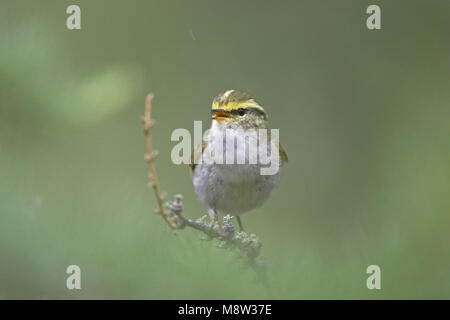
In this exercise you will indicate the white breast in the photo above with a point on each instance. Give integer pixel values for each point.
(231, 188)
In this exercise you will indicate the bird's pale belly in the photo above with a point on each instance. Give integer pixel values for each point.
(232, 188)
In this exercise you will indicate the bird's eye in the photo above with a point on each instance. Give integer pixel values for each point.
(241, 111)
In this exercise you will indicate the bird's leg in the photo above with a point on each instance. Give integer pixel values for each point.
(241, 228)
(213, 215)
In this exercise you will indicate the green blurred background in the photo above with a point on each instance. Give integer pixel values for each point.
(364, 116)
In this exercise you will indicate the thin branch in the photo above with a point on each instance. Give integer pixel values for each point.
(150, 157)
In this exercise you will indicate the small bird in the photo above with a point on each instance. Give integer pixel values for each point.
(238, 187)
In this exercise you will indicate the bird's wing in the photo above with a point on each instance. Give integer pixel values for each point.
(196, 154)
(283, 154)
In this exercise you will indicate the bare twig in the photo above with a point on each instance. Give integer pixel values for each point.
(150, 157)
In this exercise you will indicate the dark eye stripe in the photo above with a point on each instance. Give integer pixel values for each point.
(258, 112)
(247, 110)
(239, 111)
(219, 110)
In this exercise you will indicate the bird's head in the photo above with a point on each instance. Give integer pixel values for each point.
(237, 108)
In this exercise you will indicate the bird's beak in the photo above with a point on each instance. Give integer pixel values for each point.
(219, 116)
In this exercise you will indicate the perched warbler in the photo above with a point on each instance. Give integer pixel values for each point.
(237, 187)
